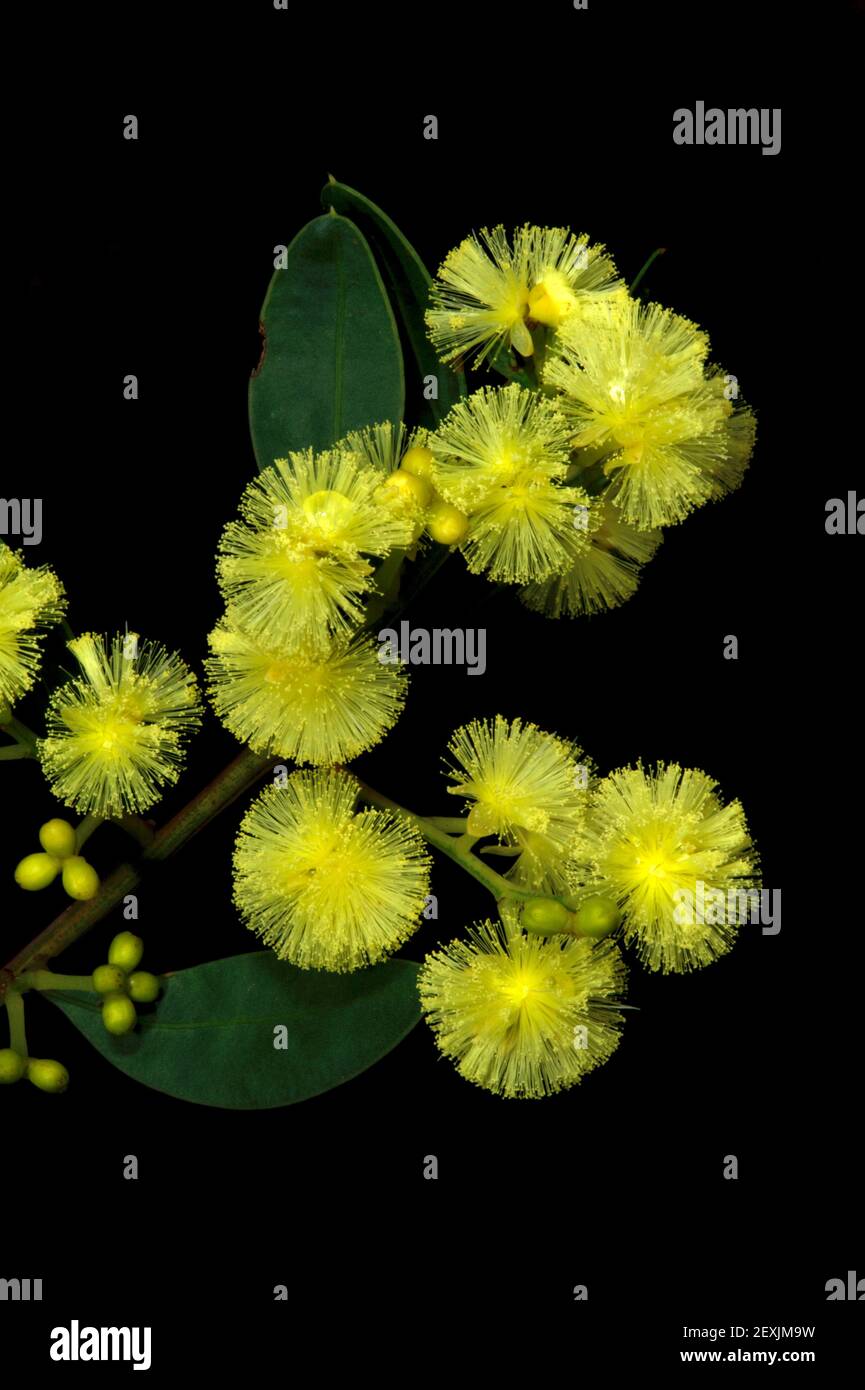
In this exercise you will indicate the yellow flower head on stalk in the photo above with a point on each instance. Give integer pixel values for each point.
(326, 887)
(650, 837)
(315, 706)
(295, 565)
(635, 380)
(491, 290)
(31, 600)
(524, 1016)
(501, 457)
(526, 787)
(117, 732)
(602, 576)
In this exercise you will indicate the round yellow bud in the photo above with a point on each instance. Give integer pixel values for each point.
(118, 1014)
(47, 1075)
(108, 979)
(143, 987)
(447, 524)
(36, 871)
(597, 916)
(80, 879)
(126, 950)
(420, 461)
(12, 1066)
(57, 837)
(544, 916)
(410, 487)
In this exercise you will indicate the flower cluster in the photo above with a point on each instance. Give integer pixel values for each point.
(291, 671)
(526, 1005)
(567, 487)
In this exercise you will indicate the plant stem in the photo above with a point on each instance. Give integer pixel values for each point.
(24, 737)
(48, 979)
(640, 273)
(498, 886)
(85, 830)
(454, 825)
(387, 578)
(15, 750)
(246, 769)
(17, 1031)
(141, 831)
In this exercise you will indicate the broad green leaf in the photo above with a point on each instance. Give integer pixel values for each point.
(408, 282)
(331, 360)
(210, 1038)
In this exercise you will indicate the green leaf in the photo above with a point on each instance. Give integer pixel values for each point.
(408, 282)
(331, 360)
(210, 1038)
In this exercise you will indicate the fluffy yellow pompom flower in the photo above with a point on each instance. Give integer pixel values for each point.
(313, 706)
(490, 291)
(603, 575)
(295, 566)
(524, 1016)
(528, 788)
(650, 838)
(30, 601)
(326, 887)
(635, 380)
(117, 733)
(500, 458)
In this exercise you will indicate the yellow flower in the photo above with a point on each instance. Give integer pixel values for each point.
(635, 381)
(117, 733)
(490, 291)
(603, 575)
(528, 788)
(501, 458)
(649, 838)
(295, 567)
(327, 888)
(523, 1016)
(30, 601)
(311, 705)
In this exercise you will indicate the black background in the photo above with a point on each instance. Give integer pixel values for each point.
(153, 257)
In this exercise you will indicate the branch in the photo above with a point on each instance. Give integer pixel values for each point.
(226, 787)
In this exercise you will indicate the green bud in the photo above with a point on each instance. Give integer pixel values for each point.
(109, 979)
(143, 987)
(12, 1066)
(597, 916)
(80, 879)
(126, 950)
(36, 871)
(47, 1075)
(544, 916)
(57, 837)
(118, 1014)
